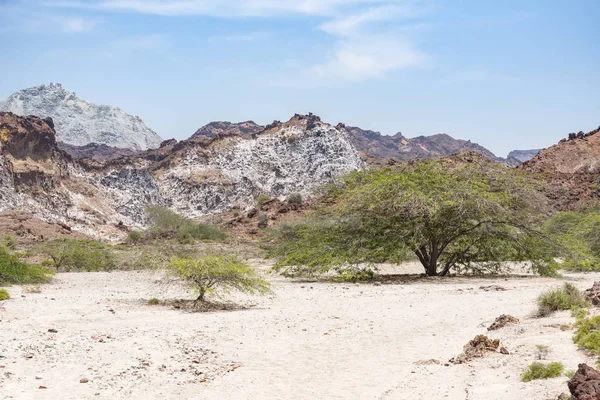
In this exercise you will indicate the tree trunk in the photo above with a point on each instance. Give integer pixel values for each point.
(201, 295)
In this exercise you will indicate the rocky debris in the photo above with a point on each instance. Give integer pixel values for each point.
(480, 346)
(28, 228)
(84, 380)
(78, 122)
(502, 321)
(492, 288)
(518, 157)
(593, 294)
(585, 384)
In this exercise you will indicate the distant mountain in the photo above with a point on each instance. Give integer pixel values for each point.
(571, 170)
(418, 148)
(80, 123)
(518, 157)
(224, 128)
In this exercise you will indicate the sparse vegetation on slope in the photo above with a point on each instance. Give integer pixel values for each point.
(4, 295)
(168, 224)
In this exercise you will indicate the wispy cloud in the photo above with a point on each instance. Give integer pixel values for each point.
(369, 58)
(73, 24)
(367, 38)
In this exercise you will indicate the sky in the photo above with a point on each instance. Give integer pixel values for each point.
(505, 74)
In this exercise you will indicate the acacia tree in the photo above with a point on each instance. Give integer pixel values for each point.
(475, 215)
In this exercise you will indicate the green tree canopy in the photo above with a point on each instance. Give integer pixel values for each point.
(473, 216)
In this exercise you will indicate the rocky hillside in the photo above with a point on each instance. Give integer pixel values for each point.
(418, 148)
(78, 122)
(194, 177)
(95, 151)
(224, 128)
(571, 169)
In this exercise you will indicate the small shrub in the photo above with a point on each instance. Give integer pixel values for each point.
(587, 336)
(355, 274)
(4, 295)
(262, 199)
(136, 236)
(263, 220)
(13, 270)
(77, 255)
(203, 232)
(9, 242)
(36, 289)
(566, 297)
(217, 274)
(569, 374)
(538, 370)
(295, 198)
(565, 327)
(542, 351)
(153, 302)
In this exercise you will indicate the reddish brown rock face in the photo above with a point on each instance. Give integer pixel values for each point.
(29, 136)
(585, 384)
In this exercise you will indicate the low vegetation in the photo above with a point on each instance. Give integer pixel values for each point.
(76, 255)
(165, 223)
(473, 217)
(4, 295)
(262, 199)
(153, 302)
(295, 198)
(587, 336)
(15, 271)
(567, 297)
(217, 275)
(538, 370)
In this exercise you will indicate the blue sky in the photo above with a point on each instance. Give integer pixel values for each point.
(506, 74)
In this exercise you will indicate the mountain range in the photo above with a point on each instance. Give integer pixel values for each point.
(99, 132)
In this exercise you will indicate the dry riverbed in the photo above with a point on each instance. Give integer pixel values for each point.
(93, 336)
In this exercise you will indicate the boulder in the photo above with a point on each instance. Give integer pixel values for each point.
(502, 321)
(585, 384)
(476, 348)
(593, 294)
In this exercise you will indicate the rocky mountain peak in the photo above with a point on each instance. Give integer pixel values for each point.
(80, 123)
(225, 128)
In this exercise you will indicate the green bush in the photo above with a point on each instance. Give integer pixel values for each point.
(77, 255)
(587, 336)
(566, 297)
(355, 274)
(9, 242)
(153, 302)
(295, 198)
(4, 295)
(262, 199)
(538, 370)
(136, 236)
(13, 270)
(217, 274)
(166, 223)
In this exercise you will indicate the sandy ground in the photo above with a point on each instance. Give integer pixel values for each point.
(310, 341)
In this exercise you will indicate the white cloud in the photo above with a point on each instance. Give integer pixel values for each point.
(347, 25)
(369, 58)
(74, 24)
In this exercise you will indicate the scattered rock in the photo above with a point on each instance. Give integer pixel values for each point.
(428, 362)
(585, 384)
(504, 350)
(476, 348)
(502, 321)
(593, 294)
(492, 288)
(42, 387)
(84, 380)
(52, 331)
(28, 355)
